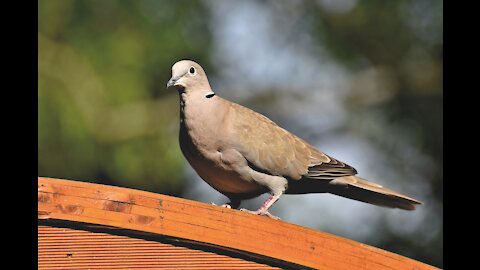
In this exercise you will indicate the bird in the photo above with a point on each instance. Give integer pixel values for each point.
(243, 154)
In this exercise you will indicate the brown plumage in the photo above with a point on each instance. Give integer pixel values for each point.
(243, 154)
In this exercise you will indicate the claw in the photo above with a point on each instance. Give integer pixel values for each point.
(260, 212)
(226, 205)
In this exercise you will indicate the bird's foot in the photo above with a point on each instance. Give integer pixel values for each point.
(261, 212)
(226, 205)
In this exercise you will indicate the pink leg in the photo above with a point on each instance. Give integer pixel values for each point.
(263, 210)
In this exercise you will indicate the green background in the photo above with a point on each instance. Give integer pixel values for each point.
(105, 116)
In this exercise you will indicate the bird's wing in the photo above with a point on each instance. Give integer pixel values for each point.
(272, 149)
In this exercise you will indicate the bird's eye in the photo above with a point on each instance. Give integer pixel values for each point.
(192, 70)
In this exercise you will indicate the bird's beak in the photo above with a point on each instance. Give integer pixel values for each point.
(172, 81)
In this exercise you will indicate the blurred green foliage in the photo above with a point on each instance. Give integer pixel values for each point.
(403, 41)
(105, 116)
(102, 70)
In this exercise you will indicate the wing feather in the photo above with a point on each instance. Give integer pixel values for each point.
(274, 150)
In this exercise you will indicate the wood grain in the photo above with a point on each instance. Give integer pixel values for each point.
(62, 247)
(186, 220)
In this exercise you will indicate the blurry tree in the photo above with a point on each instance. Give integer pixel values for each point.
(394, 38)
(105, 116)
(102, 69)
(397, 45)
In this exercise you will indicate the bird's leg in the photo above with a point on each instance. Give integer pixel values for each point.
(263, 210)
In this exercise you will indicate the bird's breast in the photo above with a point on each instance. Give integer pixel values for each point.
(202, 143)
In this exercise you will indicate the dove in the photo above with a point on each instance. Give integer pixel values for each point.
(243, 154)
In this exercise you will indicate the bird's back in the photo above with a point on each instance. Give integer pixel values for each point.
(274, 150)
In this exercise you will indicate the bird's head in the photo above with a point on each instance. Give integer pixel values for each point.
(188, 76)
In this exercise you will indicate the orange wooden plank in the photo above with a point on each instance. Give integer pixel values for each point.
(75, 248)
(208, 224)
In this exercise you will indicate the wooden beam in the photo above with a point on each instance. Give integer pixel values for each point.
(209, 225)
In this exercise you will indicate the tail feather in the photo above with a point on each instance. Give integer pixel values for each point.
(356, 188)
